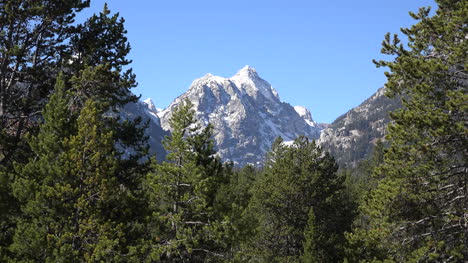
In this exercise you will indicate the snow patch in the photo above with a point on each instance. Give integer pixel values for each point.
(247, 80)
(150, 105)
(301, 110)
(305, 114)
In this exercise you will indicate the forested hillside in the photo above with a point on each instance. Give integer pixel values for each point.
(79, 184)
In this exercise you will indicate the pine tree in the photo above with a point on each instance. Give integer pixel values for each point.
(418, 212)
(298, 181)
(232, 204)
(40, 174)
(360, 179)
(48, 176)
(98, 52)
(185, 188)
(99, 226)
(96, 57)
(311, 245)
(76, 208)
(34, 36)
(8, 211)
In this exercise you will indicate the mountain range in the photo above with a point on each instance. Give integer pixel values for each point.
(248, 115)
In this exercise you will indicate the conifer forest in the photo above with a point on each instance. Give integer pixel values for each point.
(78, 182)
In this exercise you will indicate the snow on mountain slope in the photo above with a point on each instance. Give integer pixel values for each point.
(247, 115)
(306, 115)
(150, 105)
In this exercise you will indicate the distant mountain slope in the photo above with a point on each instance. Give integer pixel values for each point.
(351, 137)
(148, 113)
(247, 115)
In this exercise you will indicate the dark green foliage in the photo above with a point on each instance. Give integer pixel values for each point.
(98, 53)
(8, 211)
(101, 40)
(185, 189)
(76, 183)
(311, 246)
(418, 211)
(72, 191)
(298, 181)
(75, 205)
(47, 145)
(33, 37)
(361, 179)
(102, 74)
(232, 204)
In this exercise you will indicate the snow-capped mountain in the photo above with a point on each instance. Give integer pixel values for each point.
(351, 137)
(247, 115)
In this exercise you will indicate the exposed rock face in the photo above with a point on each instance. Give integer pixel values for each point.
(351, 137)
(155, 132)
(247, 115)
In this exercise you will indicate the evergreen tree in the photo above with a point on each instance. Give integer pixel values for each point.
(361, 180)
(98, 52)
(38, 176)
(311, 245)
(84, 182)
(233, 200)
(96, 59)
(34, 34)
(8, 211)
(185, 188)
(75, 207)
(41, 40)
(299, 181)
(418, 212)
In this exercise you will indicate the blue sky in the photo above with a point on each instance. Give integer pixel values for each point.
(317, 54)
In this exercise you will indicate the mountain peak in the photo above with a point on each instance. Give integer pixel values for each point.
(305, 114)
(150, 105)
(246, 113)
(247, 71)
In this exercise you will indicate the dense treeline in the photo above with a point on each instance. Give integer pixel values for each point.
(77, 183)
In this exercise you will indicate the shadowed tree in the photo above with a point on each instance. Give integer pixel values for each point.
(419, 211)
(300, 205)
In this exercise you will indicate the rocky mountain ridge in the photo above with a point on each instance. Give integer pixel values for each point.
(351, 137)
(247, 115)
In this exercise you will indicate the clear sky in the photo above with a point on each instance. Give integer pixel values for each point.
(317, 54)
